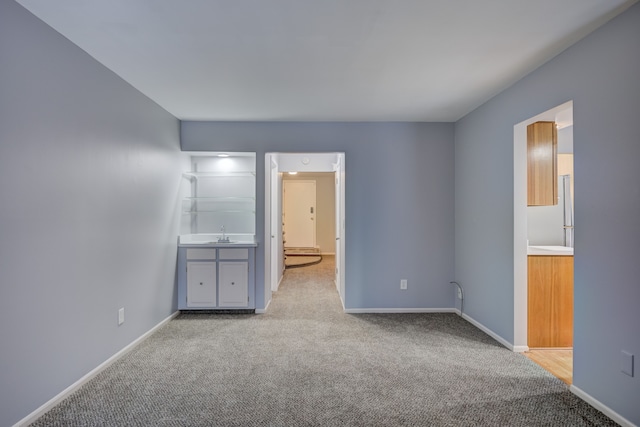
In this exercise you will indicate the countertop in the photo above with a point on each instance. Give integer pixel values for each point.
(211, 241)
(550, 250)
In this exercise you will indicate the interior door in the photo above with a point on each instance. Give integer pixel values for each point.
(299, 214)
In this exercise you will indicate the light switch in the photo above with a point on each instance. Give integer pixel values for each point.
(627, 363)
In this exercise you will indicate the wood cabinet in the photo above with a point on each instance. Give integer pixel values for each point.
(550, 301)
(542, 164)
(215, 278)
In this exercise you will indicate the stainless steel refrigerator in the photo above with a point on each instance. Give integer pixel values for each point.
(552, 225)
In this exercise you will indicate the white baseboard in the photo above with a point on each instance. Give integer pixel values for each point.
(601, 407)
(263, 310)
(398, 310)
(32, 417)
(489, 332)
(507, 344)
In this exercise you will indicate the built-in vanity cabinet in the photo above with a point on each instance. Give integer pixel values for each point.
(216, 277)
(542, 164)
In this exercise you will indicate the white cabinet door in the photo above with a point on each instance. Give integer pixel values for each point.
(201, 284)
(234, 284)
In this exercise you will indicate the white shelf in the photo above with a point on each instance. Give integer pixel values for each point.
(196, 212)
(221, 199)
(196, 175)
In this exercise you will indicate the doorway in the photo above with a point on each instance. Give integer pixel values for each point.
(562, 115)
(276, 165)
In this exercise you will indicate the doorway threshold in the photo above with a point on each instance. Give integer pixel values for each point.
(558, 362)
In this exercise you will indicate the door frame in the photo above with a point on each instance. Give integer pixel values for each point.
(520, 273)
(277, 163)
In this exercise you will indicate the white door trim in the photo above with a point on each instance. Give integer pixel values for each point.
(298, 162)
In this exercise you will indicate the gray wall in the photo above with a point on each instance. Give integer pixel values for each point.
(399, 200)
(600, 74)
(89, 176)
(325, 207)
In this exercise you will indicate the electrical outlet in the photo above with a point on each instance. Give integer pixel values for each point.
(121, 316)
(627, 363)
(403, 284)
(459, 294)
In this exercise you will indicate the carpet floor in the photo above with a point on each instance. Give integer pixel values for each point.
(307, 363)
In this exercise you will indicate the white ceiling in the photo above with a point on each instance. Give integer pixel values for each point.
(317, 60)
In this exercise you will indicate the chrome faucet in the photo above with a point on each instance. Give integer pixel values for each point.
(223, 239)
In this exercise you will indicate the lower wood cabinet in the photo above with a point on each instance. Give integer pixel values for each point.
(216, 278)
(550, 301)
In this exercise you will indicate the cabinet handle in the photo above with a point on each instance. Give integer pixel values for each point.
(200, 283)
(233, 283)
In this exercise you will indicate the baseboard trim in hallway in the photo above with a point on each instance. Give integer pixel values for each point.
(32, 417)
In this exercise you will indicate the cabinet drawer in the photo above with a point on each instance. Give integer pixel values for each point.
(201, 254)
(234, 253)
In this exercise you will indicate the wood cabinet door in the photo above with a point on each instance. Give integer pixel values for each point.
(550, 301)
(542, 164)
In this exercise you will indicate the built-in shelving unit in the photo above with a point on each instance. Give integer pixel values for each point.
(222, 193)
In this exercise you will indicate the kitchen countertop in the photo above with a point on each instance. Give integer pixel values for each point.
(550, 250)
(211, 241)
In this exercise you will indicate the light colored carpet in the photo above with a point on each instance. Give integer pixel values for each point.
(306, 363)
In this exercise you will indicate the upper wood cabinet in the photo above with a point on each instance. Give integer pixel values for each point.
(542, 164)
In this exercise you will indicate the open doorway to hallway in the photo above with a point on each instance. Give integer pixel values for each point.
(318, 227)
